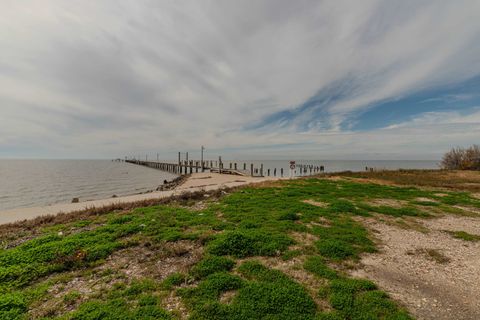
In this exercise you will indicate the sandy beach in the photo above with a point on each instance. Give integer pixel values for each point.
(197, 181)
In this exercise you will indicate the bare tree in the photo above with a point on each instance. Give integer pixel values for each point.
(462, 159)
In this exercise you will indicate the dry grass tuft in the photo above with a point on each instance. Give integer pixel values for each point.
(432, 254)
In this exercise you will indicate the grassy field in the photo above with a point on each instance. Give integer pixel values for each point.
(276, 251)
(447, 179)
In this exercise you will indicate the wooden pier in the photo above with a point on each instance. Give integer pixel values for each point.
(183, 167)
(175, 168)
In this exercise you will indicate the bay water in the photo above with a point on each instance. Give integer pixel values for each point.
(33, 183)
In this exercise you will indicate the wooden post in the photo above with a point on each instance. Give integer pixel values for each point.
(261, 170)
(219, 164)
(268, 172)
(251, 169)
(235, 166)
(244, 166)
(179, 161)
(201, 160)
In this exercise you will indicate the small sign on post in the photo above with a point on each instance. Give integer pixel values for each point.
(292, 169)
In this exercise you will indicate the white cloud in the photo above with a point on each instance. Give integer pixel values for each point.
(106, 78)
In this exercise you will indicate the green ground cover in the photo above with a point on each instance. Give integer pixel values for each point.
(236, 232)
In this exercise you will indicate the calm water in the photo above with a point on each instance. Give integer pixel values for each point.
(31, 183)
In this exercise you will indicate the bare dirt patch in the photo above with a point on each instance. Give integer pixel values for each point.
(423, 199)
(154, 261)
(429, 289)
(174, 304)
(388, 203)
(227, 297)
(455, 223)
(316, 203)
(302, 240)
(470, 210)
(143, 261)
(408, 223)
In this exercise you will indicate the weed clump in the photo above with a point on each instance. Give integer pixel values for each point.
(12, 305)
(342, 206)
(124, 302)
(173, 280)
(317, 266)
(249, 242)
(266, 294)
(343, 239)
(464, 236)
(360, 299)
(212, 264)
(292, 216)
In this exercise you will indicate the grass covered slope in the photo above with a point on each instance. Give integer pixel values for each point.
(278, 251)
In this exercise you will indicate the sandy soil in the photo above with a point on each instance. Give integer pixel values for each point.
(197, 181)
(446, 288)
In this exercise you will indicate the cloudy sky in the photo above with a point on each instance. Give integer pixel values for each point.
(248, 79)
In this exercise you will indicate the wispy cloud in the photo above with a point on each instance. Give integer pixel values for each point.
(114, 77)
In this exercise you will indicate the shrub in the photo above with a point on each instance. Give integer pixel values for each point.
(462, 159)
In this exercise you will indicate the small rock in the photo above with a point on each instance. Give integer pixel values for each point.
(60, 233)
(75, 200)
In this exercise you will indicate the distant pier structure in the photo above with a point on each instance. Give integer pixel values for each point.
(187, 166)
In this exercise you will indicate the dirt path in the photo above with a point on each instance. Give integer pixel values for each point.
(433, 274)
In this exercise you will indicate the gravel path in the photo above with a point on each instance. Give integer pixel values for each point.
(429, 288)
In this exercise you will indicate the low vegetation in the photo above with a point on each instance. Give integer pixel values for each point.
(239, 257)
(465, 236)
(468, 181)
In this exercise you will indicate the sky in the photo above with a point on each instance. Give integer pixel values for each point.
(250, 79)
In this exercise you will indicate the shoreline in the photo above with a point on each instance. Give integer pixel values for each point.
(195, 182)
